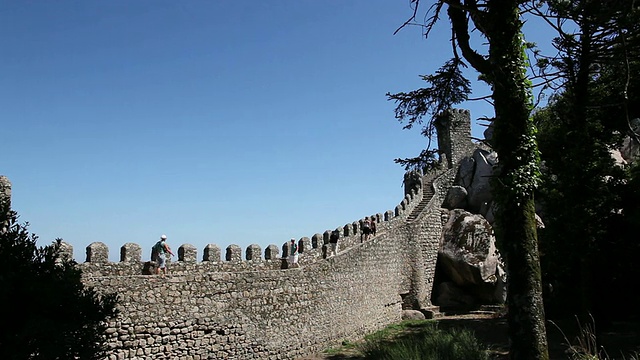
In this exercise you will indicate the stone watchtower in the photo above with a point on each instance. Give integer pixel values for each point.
(453, 129)
(454, 135)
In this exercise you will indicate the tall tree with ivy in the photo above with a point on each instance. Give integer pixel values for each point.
(501, 62)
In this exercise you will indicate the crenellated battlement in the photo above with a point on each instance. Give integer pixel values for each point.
(233, 258)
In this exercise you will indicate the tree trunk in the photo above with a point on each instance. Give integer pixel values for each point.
(519, 162)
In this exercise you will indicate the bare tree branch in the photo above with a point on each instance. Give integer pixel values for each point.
(412, 18)
(460, 26)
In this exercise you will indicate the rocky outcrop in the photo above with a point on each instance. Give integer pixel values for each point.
(630, 150)
(469, 263)
(456, 197)
(472, 186)
(480, 189)
(412, 315)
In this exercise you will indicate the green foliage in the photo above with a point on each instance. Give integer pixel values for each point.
(521, 183)
(581, 196)
(49, 313)
(448, 87)
(595, 39)
(430, 343)
(425, 161)
(585, 196)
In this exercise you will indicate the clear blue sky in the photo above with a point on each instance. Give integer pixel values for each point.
(225, 122)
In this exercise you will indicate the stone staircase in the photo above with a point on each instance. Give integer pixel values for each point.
(427, 194)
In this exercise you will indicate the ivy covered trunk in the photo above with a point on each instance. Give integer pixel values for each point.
(514, 141)
(504, 69)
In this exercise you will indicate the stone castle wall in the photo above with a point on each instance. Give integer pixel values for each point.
(256, 308)
(253, 308)
(233, 258)
(235, 305)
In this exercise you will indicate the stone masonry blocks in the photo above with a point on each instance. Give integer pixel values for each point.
(234, 253)
(187, 253)
(271, 252)
(254, 252)
(130, 252)
(347, 230)
(211, 253)
(97, 252)
(316, 241)
(304, 244)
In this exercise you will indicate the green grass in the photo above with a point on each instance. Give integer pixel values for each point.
(584, 347)
(418, 340)
(347, 346)
(424, 339)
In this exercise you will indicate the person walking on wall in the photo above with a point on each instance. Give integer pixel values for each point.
(366, 229)
(161, 249)
(293, 254)
(333, 241)
(374, 227)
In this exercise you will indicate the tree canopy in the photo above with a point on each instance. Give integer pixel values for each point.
(49, 312)
(585, 193)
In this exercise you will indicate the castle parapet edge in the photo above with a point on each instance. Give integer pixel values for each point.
(131, 262)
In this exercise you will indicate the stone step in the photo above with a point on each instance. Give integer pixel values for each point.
(418, 209)
(476, 310)
(431, 312)
(427, 194)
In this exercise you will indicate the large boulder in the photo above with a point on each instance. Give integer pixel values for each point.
(448, 295)
(466, 168)
(469, 259)
(480, 188)
(471, 189)
(617, 157)
(630, 150)
(488, 132)
(412, 315)
(456, 198)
